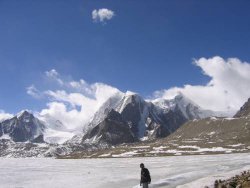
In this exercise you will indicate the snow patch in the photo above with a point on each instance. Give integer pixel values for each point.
(236, 145)
(105, 155)
(140, 147)
(126, 154)
(189, 147)
(5, 136)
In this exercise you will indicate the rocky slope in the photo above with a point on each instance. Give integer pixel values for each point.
(244, 110)
(238, 181)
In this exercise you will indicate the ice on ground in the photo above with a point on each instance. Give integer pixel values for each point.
(166, 172)
(209, 181)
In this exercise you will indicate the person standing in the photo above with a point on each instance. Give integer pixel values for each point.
(145, 176)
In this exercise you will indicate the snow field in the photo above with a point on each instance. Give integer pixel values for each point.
(166, 172)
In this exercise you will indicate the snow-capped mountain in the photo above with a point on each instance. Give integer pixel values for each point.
(26, 127)
(187, 107)
(23, 127)
(56, 132)
(24, 135)
(218, 133)
(123, 118)
(148, 119)
(211, 135)
(112, 103)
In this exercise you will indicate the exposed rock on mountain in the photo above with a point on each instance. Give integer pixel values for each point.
(244, 110)
(145, 119)
(100, 115)
(23, 127)
(111, 131)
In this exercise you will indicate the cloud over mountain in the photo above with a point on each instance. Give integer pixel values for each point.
(72, 102)
(227, 90)
(4, 115)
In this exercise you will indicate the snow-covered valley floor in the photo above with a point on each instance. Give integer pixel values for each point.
(166, 172)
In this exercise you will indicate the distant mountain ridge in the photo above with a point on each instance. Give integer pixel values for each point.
(123, 118)
(145, 119)
(23, 127)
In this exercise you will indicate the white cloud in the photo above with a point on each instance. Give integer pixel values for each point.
(75, 102)
(102, 14)
(54, 76)
(4, 116)
(80, 86)
(227, 90)
(72, 119)
(31, 90)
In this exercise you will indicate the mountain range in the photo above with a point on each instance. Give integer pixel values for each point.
(123, 118)
(211, 135)
(143, 120)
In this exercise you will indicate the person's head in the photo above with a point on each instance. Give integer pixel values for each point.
(141, 165)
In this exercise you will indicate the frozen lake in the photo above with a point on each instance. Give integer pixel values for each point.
(166, 172)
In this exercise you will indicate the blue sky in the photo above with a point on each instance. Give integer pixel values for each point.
(146, 46)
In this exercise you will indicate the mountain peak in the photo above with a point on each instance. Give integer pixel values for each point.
(180, 100)
(183, 99)
(244, 110)
(129, 93)
(23, 127)
(129, 98)
(24, 113)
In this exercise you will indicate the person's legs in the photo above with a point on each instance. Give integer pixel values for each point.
(145, 185)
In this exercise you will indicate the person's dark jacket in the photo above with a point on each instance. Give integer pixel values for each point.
(145, 176)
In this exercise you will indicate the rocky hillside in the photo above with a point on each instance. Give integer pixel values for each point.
(238, 181)
(207, 136)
